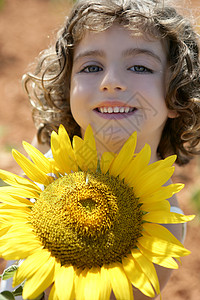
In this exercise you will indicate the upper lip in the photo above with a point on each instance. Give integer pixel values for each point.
(114, 103)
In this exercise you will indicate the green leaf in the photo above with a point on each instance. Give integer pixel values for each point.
(9, 272)
(6, 295)
(18, 291)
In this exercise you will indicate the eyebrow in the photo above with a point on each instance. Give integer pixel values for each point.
(125, 53)
(136, 51)
(88, 53)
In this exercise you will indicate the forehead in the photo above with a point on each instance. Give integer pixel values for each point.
(121, 37)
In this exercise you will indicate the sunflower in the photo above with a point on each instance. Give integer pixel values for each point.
(94, 226)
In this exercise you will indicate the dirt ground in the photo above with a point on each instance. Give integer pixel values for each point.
(26, 28)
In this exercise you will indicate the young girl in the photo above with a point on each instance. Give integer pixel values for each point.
(122, 66)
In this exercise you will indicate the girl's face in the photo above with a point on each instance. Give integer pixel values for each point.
(118, 87)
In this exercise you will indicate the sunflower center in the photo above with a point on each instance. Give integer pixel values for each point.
(87, 219)
(88, 203)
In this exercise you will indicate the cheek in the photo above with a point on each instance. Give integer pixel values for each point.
(80, 90)
(81, 82)
(78, 105)
(153, 102)
(76, 95)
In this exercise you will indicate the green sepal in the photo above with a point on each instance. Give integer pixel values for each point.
(9, 272)
(6, 295)
(18, 291)
(40, 297)
(98, 166)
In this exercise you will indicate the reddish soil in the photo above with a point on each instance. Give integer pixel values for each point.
(26, 28)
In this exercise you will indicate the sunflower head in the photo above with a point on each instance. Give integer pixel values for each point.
(92, 222)
(87, 219)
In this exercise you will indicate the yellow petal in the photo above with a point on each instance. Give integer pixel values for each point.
(152, 181)
(62, 151)
(162, 260)
(106, 160)
(64, 283)
(120, 284)
(14, 200)
(137, 276)
(20, 241)
(22, 212)
(16, 191)
(78, 145)
(161, 232)
(16, 252)
(17, 230)
(92, 284)
(30, 169)
(57, 153)
(19, 244)
(123, 159)
(42, 162)
(137, 165)
(167, 217)
(105, 289)
(162, 247)
(31, 265)
(53, 295)
(4, 230)
(10, 218)
(147, 268)
(80, 280)
(18, 181)
(40, 281)
(161, 164)
(165, 192)
(84, 155)
(85, 151)
(161, 205)
(66, 144)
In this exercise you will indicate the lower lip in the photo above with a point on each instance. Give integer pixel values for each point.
(115, 116)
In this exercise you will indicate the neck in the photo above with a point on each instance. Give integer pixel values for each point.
(115, 147)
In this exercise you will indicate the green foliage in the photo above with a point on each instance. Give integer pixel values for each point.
(196, 199)
(2, 2)
(62, 1)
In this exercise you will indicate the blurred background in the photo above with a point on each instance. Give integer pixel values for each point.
(26, 28)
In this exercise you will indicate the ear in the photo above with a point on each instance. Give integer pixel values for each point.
(172, 114)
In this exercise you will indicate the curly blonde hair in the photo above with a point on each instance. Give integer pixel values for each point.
(48, 86)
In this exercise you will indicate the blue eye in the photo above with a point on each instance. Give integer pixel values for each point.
(92, 69)
(140, 69)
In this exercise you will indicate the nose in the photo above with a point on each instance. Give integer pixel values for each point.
(112, 81)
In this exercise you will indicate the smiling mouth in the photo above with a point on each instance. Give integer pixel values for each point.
(115, 109)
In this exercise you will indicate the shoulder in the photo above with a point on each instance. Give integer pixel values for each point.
(49, 154)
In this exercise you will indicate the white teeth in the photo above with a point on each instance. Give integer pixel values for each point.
(127, 109)
(115, 109)
(110, 110)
